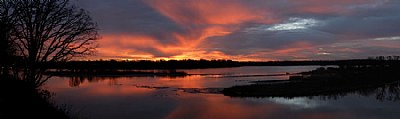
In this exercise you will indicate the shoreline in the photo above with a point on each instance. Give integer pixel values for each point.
(318, 82)
(20, 100)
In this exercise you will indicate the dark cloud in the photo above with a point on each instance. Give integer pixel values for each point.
(129, 17)
(255, 29)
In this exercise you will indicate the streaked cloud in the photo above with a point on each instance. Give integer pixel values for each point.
(246, 29)
(387, 38)
(294, 24)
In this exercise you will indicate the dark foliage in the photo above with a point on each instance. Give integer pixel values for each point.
(33, 32)
(380, 79)
(141, 64)
(43, 31)
(196, 64)
(19, 100)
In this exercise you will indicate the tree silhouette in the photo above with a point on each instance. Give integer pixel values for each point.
(6, 45)
(49, 31)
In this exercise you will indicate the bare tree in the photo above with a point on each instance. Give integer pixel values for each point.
(49, 31)
(6, 45)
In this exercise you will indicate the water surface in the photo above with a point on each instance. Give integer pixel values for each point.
(162, 97)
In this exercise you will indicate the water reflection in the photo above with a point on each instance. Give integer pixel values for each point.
(75, 81)
(200, 84)
(148, 97)
(298, 102)
(198, 77)
(215, 106)
(388, 92)
(328, 83)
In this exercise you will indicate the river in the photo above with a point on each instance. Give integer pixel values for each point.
(166, 97)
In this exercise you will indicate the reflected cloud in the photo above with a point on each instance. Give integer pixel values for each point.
(298, 103)
(118, 91)
(194, 81)
(148, 97)
(186, 82)
(214, 106)
(98, 86)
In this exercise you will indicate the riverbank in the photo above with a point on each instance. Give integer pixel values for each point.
(322, 81)
(19, 100)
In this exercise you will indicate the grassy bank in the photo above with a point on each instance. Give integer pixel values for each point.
(20, 100)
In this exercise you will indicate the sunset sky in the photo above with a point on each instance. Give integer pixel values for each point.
(257, 30)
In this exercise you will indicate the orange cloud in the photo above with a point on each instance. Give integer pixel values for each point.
(201, 20)
(209, 12)
(137, 47)
(186, 26)
(192, 40)
(126, 46)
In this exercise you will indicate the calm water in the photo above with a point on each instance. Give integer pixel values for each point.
(161, 97)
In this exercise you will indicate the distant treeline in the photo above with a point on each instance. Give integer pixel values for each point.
(196, 64)
(352, 62)
(381, 80)
(142, 64)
